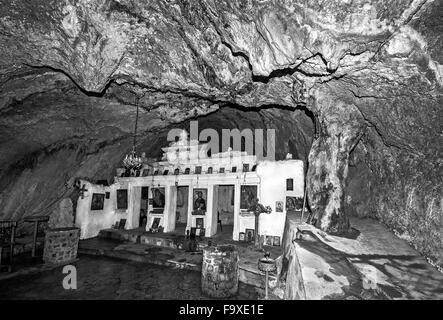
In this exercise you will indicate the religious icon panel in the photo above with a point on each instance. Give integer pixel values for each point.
(200, 197)
(98, 200)
(294, 204)
(122, 199)
(248, 195)
(158, 197)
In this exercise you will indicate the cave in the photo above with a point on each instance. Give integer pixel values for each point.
(354, 90)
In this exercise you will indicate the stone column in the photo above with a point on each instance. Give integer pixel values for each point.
(61, 245)
(341, 127)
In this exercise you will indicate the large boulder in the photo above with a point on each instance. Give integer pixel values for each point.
(63, 215)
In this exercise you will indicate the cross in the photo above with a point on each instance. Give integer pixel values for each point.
(83, 190)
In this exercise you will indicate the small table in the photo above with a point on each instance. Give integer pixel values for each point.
(36, 220)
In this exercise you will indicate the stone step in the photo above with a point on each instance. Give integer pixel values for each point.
(161, 240)
(247, 274)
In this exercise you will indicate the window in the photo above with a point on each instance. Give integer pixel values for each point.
(165, 173)
(254, 167)
(210, 170)
(177, 171)
(234, 169)
(155, 172)
(198, 169)
(289, 184)
(122, 199)
(187, 170)
(245, 167)
(221, 170)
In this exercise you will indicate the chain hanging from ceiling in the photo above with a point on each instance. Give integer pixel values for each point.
(132, 160)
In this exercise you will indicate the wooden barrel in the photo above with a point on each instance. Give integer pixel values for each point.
(220, 271)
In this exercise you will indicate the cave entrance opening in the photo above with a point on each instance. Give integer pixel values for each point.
(224, 208)
(181, 212)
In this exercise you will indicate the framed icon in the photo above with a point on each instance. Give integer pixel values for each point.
(276, 241)
(278, 206)
(294, 204)
(249, 235)
(199, 223)
(122, 199)
(200, 197)
(241, 236)
(122, 224)
(98, 201)
(155, 223)
(158, 198)
(248, 194)
(289, 184)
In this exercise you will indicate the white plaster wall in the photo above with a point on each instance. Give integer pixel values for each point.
(90, 221)
(273, 175)
(270, 176)
(170, 207)
(134, 204)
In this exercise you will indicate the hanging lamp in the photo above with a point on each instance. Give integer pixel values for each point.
(132, 160)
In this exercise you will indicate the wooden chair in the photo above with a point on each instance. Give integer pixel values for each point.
(7, 242)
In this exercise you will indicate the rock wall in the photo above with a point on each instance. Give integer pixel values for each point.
(69, 81)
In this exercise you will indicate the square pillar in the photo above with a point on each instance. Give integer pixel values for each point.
(190, 208)
(214, 224)
(134, 200)
(236, 228)
(170, 207)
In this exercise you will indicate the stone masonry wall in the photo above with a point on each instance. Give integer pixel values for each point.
(61, 245)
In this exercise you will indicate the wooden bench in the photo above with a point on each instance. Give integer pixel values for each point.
(7, 243)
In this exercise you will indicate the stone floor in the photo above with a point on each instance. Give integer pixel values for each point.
(376, 264)
(134, 245)
(106, 278)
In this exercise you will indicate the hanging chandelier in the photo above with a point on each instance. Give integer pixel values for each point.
(132, 160)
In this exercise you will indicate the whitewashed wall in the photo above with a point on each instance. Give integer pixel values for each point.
(90, 221)
(270, 177)
(273, 175)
